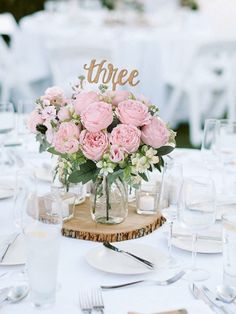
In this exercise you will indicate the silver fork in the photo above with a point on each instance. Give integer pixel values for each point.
(97, 300)
(155, 282)
(85, 302)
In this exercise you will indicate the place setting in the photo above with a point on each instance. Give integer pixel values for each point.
(117, 157)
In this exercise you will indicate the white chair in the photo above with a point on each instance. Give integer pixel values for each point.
(11, 75)
(8, 24)
(67, 59)
(4, 70)
(208, 83)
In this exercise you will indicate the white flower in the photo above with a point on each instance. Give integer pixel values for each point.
(106, 167)
(151, 152)
(155, 160)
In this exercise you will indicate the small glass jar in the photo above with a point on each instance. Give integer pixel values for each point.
(109, 201)
(147, 198)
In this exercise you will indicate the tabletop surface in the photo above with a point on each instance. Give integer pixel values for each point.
(75, 273)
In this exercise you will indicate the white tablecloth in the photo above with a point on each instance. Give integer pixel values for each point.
(75, 273)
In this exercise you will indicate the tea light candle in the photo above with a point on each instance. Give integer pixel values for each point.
(147, 203)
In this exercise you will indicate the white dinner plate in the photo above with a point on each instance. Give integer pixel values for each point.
(113, 262)
(203, 245)
(16, 254)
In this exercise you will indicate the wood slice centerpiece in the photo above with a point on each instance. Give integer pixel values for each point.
(81, 226)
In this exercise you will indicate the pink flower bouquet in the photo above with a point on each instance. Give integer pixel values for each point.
(104, 133)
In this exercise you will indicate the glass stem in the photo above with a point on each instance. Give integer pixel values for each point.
(194, 251)
(170, 239)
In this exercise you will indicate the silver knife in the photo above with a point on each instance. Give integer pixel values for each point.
(212, 298)
(8, 245)
(200, 237)
(143, 261)
(198, 294)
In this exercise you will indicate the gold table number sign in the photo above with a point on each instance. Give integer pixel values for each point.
(109, 73)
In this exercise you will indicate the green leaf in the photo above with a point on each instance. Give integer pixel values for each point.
(54, 152)
(143, 176)
(115, 175)
(87, 172)
(165, 150)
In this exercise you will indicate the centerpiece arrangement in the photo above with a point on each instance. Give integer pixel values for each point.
(109, 138)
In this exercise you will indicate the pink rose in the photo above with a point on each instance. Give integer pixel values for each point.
(55, 95)
(127, 137)
(64, 114)
(118, 96)
(133, 112)
(49, 113)
(66, 138)
(116, 153)
(34, 119)
(156, 133)
(97, 116)
(83, 100)
(93, 144)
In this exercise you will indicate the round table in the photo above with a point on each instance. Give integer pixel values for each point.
(75, 273)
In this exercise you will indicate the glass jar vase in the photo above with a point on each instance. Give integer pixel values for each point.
(109, 201)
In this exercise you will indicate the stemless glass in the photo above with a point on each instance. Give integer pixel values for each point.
(210, 142)
(170, 189)
(41, 222)
(7, 124)
(196, 212)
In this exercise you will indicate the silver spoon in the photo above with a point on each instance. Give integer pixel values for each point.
(226, 294)
(16, 294)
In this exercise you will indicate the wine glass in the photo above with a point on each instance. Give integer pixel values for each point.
(196, 212)
(7, 123)
(170, 188)
(210, 142)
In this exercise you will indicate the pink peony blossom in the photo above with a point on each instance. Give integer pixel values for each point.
(64, 114)
(93, 144)
(34, 119)
(66, 138)
(116, 153)
(97, 116)
(83, 100)
(55, 95)
(133, 112)
(156, 133)
(126, 136)
(118, 96)
(49, 113)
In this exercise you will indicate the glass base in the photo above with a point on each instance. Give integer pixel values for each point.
(110, 221)
(42, 300)
(196, 274)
